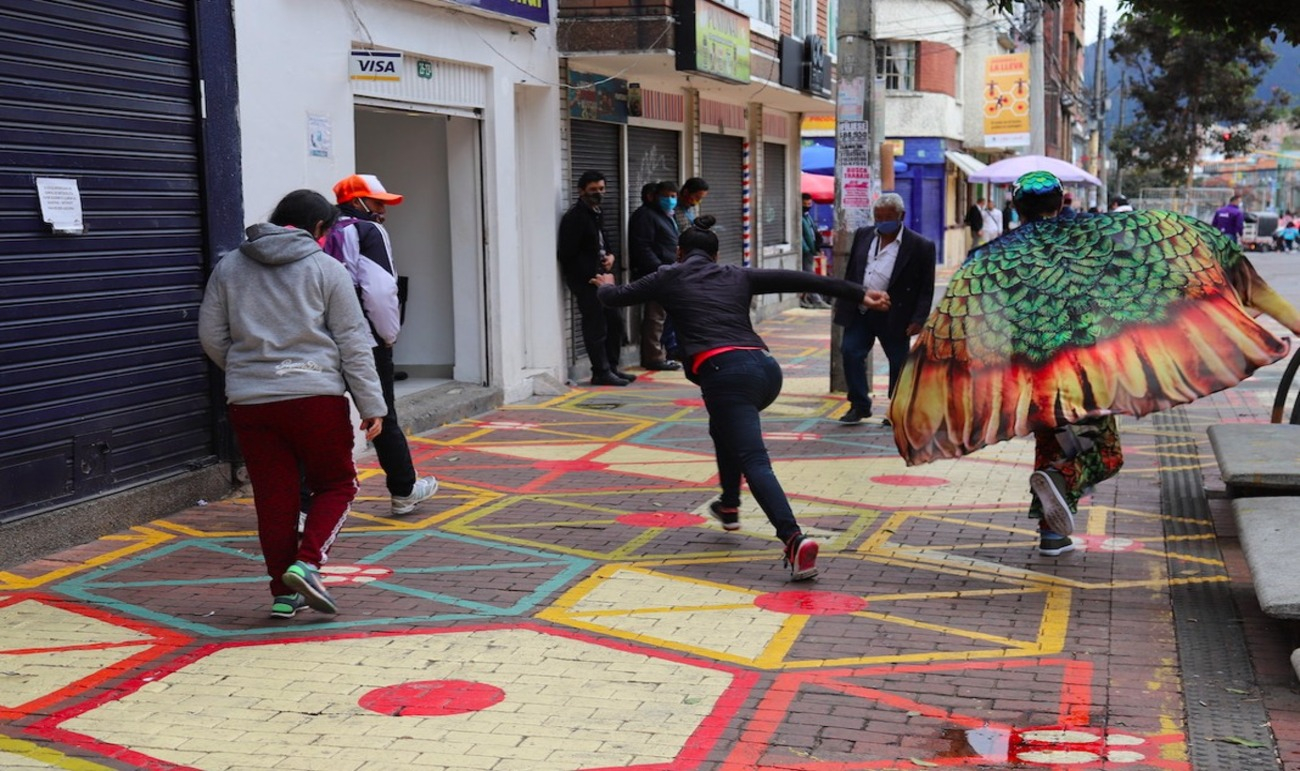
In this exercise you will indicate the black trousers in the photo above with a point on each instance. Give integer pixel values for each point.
(602, 329)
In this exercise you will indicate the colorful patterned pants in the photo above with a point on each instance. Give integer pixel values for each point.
(1096, 456)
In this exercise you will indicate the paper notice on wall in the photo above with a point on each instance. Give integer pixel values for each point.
(320, 136)
(850, 99)
(60, 204)
(857, 197)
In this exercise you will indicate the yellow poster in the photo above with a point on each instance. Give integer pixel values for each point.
(1006, 100)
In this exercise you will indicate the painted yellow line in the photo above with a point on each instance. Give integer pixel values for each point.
(45, 755)
(784, 639)
(147, 539)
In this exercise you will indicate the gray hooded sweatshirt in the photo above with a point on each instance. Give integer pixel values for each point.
(282, 318)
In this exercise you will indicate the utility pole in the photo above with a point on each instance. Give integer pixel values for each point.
(1097, 150)
(1037, 86)
(857, 137)
(1123, 94)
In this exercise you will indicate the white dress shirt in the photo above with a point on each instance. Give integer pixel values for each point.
(880, 263)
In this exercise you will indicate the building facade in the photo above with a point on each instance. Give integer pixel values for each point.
(454, 106)
(672, 89)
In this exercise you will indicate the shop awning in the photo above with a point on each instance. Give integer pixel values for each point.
(968, 164)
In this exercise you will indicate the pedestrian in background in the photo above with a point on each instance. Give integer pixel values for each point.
(361, 243)
(885, 257)
(992, 226)
(1229, 219)
(975, 221)
(584, 251)
(651, 244)
(693, 193)
(738, 378)
(280, 317)
(811, 247)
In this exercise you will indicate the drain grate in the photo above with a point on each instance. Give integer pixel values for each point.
(1225, 710)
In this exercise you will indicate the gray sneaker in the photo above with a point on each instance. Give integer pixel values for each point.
(423, 491)
(1056, 511)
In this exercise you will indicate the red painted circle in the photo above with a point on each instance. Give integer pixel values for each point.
(810, 603)
(431, 698)
(660, 519)
(570, 465)
(908, 480)
(689, 402)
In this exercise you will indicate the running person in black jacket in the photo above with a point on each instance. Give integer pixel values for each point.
(738, 378)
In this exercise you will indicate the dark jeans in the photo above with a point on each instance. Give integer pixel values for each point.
(858, 339)
(736, 386)
(390, 446)
(602, 329)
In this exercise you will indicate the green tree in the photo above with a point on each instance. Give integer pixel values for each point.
(1194, 90)
(1229, 19)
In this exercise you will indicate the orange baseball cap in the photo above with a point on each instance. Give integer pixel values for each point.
(364, 186)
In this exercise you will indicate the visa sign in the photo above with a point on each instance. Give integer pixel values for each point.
(376, 65)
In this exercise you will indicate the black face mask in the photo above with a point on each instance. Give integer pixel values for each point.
(593, 199)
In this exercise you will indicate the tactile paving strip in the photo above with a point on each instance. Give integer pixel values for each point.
(1225, 711)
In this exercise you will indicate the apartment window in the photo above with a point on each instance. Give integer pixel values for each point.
(805, 18)
(832, 23)
(896, 63)
(757, 10)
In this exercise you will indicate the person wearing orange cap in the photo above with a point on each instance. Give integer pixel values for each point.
(359, 241)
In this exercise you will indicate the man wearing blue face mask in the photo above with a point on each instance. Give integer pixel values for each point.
(651, 243)
(887, 257)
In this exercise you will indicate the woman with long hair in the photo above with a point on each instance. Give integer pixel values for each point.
(281, 318)
(708, 304)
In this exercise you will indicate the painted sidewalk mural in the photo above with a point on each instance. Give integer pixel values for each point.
(567, 602)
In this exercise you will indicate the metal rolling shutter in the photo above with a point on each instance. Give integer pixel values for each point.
(773, 194)
(721, 162)
(102, 381)
(653, 155)
(595, 145)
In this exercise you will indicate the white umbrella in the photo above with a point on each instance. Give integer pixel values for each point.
(1010, 169)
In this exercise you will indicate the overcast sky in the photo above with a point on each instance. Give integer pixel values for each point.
(1091, 8)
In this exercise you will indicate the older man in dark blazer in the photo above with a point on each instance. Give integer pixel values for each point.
(889, 257)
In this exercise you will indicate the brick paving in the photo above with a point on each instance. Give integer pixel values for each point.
(567, 602)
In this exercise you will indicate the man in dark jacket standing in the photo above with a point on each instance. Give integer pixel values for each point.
(651, 243)
(889, 257)
(584, 252)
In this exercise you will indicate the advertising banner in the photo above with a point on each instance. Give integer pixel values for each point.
(1006, 100)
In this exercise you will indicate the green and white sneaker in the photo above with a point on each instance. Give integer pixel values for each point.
(305, 579)
(286, 605)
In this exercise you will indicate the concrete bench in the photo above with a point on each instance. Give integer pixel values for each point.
(1258, 458)
(1268, 528)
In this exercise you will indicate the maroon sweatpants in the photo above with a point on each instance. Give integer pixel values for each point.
(277, 438)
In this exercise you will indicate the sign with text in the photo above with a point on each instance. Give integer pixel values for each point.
(530, 10)
(1006, 100)
(712, 40)
(376, 65)
(60, 204)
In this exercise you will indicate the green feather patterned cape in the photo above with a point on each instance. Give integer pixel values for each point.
(1066, 319)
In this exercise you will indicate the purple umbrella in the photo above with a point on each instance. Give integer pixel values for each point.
(1010, 169)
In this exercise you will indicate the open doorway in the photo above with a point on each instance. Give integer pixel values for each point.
(433, 161)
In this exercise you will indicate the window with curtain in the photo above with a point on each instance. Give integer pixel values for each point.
(896, 63)
(773, 194)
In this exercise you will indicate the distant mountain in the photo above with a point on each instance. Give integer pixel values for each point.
(1284, 74)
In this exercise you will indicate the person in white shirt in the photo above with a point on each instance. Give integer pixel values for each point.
(887, 257)
(992, 223)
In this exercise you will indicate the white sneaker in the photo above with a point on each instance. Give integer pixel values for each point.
(423, 491)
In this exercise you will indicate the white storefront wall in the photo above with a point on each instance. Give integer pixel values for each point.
(485, 126)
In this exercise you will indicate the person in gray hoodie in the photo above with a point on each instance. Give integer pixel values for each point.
(281, 318)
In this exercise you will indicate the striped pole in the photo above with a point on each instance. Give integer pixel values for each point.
(746, 190)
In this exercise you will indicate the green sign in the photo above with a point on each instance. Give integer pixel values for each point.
(713, 40)
(424, 68)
